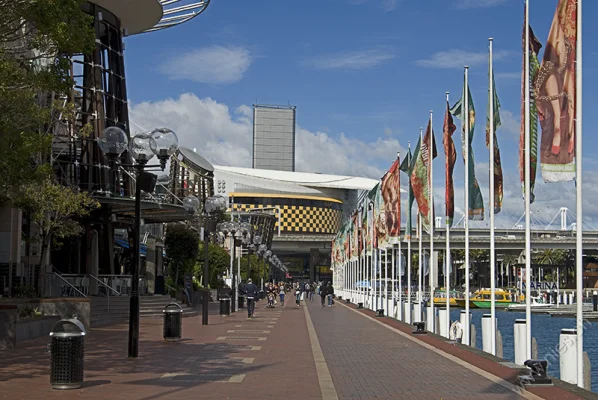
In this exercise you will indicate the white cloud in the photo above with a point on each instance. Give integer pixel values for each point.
(224, 136)
(355, 60)
(457, 59)
(464, 4)
(213, 64)
(385, 5)
(510, 123)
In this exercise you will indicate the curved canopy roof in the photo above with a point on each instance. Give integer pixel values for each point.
(189, 156)
(305, 178)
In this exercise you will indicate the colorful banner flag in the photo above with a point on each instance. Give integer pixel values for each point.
(380, 228)
(534, 65)
(451, 157)
(555, 93)
(407, 167)
(476, 201)
(498, 178)
(391, 194)
(420, 177)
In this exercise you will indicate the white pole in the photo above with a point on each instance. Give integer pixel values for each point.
(238, 279)
(419, 237)
(491, 211)
(385, 304)
(393, 280)
(447, 262)
(431, 271)
(466, 334)
(528, 251)
(409, 313)
(400, 303)
(579, 222)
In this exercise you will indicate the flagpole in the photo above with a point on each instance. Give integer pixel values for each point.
(466, 333)
(579, 200)
(385, 306)
(492, 249)
(431, 270)
(419, 236)
(447, 260)
(528, 250)
(394, 275)
(409, 315)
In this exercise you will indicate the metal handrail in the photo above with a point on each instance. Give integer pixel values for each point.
(68, 283)
(170, 287)
(104, 284)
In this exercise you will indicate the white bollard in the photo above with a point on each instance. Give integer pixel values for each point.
(443, 328)
(417, 312)
(431, 319)
(559, 299)
(408, 313)
(487, 332)
(400, 310)
(570, 298)
(463, 320)
(519, 339)
(568, 355)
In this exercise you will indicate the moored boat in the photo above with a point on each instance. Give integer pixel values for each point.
(483, 298)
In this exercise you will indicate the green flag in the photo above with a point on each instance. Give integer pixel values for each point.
(407, 167)
(498, 179)
(476, 201)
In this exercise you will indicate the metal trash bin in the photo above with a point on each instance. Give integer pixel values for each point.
(67, 350)
(241, 302)
(224, 306)
(173, 322)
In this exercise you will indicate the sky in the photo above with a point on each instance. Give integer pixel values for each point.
(364, 75)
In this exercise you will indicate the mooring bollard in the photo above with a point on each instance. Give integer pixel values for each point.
(417, 312)
(380, 312)
(464, 320)
(420, 328)
(568, 355)
(359, 305)
(431, 318)
(443, 329)
(487, 333)
(408, 315)
(519, 333)
(539, 373)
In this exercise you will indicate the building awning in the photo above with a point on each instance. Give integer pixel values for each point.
(152, 212)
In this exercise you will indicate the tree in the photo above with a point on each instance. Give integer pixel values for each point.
(55, 210)
(550, 257)
(219, 262)
(181, 245)
(36, 38)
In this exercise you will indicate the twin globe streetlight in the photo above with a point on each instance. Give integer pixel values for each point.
(161, 142)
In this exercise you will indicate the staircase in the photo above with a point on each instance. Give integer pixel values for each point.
(115, 309)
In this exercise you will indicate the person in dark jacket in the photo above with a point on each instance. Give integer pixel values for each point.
(251, 292)
(330, 294)
(323, 293)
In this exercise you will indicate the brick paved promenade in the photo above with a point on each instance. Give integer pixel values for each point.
(295, 353)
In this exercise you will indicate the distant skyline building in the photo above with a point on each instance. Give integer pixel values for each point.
(274, 137)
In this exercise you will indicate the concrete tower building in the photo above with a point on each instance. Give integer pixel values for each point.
(274, 137)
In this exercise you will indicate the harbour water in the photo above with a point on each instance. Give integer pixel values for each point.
(545, 329)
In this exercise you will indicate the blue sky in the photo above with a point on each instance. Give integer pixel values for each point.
(363, 75)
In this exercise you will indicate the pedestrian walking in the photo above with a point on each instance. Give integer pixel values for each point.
(298, 296)
(323, 295)
(330, 294)
(251, 293)
(281, 294)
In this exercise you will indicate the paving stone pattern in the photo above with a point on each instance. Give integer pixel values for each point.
(369, 361)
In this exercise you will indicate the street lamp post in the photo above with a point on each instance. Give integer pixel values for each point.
(212, 205)
(233, 228)
(163, 143)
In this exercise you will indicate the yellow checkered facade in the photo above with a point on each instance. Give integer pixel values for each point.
(302, 219)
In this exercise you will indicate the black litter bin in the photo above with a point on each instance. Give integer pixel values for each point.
(225, 306)
(67, 348)
(241, 302)
(262, 295)
(173, 322)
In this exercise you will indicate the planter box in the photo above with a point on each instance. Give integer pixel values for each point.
(35, 327)
(8, 322)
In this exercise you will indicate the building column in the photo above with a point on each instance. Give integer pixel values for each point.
(314, 259)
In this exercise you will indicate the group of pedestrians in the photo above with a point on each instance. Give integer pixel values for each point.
(303, 291)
